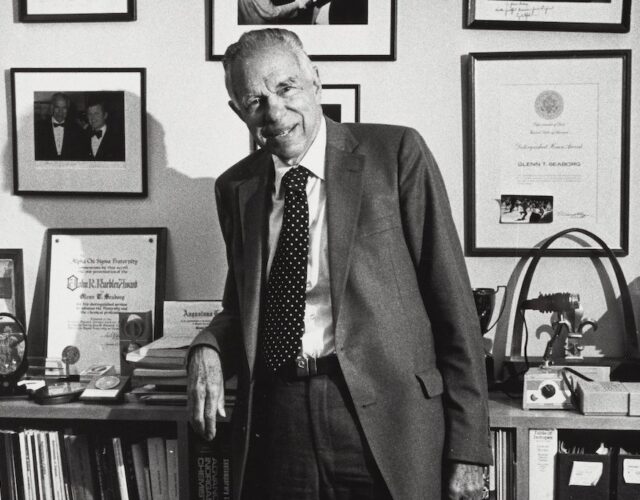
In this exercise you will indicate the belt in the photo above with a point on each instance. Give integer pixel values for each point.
(303, 367)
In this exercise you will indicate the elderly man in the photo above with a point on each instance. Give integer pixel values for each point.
(348, 315)
(58, 137)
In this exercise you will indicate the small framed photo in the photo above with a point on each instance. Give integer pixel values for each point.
(331, 30)
(340, 102)
(550, 15)
(79, 131)
(51, 11)
(548, 151)
(104, 292)
(12, 284)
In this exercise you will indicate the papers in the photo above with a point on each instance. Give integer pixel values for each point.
(585, 473)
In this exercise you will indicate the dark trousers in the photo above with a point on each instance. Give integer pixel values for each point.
(310, 444)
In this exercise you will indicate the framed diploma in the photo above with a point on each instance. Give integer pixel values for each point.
(95, 278)
(548, 150)
(337, 30)
(553, 15)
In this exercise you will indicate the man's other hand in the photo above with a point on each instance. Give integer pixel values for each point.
(464, 481)
(206, 390)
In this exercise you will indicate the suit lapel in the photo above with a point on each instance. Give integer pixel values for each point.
(253, 198)
(344, 170)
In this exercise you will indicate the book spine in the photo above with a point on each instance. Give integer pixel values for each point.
(173, 487)
(138, 464)
(129, 469)
(5, 483)
(119, 467)
(543, 447)
(16, 466)
(57, 482)
(157, 467)
(204, 469)
(25, 462)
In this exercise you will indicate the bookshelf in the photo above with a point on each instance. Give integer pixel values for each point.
(18, 413)
(506, 413)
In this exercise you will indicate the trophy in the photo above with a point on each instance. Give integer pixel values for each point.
(485, 299)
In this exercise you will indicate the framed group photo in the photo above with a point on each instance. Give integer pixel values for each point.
(104, 292)
(79, 131)
(548, 150)
(331, 30)
(551, 15)
(46, 11)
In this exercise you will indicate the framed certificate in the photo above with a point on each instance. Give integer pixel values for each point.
(50, 11)
(556, 15)
(548, 150)
(336, 30)
(95, 277)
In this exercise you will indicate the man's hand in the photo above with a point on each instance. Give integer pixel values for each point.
(206, 391)
(464, 481)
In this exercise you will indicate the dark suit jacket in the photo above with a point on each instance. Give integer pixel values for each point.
(111, 148)
(45, 145)
(406, 330)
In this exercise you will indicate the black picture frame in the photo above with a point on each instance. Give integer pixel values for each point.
(489, 74)
(345, 42)
(11, 262)
(38, 169)
(103, 267)
(26, 15)
(586, 16)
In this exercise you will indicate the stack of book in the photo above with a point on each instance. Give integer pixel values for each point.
(61, 465)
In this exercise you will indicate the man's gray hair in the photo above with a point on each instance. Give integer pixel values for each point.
(252, 41)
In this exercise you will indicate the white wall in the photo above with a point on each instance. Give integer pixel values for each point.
(193, 137)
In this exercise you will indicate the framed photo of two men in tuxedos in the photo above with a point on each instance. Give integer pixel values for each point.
(79, 131)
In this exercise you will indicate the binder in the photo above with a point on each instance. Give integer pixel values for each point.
(627, 477)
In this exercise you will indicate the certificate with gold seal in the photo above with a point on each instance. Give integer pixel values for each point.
(549, 150)
(95, 275)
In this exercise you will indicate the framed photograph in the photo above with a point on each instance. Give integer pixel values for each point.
(79, 131)
(548, 146)
(340, 102)
(102, 285)
(12, 284)
(551, 15)
(331, 30)
(51, 11)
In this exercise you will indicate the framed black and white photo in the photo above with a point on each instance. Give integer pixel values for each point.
(331, 30)
(12, 283)
(100, 284)
(548, 150)
(340, 102)
(46, 11)
(79, 131)
(552, 15)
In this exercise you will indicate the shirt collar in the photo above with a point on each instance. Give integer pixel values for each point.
(313, 160)
(54, 121)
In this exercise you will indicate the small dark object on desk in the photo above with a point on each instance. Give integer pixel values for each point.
(58, 393)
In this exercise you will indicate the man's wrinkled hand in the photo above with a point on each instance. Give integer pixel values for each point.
(464, 481)
(205, 389)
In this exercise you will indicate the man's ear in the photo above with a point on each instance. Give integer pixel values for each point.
(235, 109)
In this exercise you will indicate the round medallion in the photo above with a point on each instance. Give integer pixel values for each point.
(107, 382)
(70, 354)
(549, 105)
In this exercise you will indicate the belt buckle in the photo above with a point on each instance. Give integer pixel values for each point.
(306, 366)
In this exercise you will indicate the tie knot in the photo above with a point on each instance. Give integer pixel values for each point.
(97, 133)
(296, 178)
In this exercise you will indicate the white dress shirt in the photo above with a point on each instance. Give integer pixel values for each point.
(58, 135)
(95, 142)
(317, 339)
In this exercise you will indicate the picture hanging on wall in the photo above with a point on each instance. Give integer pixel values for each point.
(551, 15)
(340, 102)
(548, 150)
(331, 30)
(79, 131)
(12, 283)
(64, 11)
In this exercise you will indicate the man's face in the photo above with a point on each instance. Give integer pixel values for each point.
(279, 102)
(59, 109)
(97, 116)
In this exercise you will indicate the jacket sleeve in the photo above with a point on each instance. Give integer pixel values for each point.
(224, 332)
(444, 284)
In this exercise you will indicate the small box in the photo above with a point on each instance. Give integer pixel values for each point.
(628, 477)
(582, 477)
(634, 397)
(603, 398)
(108, 388)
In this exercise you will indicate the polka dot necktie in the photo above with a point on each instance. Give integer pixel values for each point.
(286, 287)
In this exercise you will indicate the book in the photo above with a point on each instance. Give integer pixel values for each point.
(57, 476)
(543, 447)
(137, 452)
(173, 483)
(129, 468)
(158, 468)
(121, 474)
(28, 480)
(147, 376)
(13, 464)
(5, 481)
(210, 466)
(160, 372)
(168, 362)
(81, 474)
